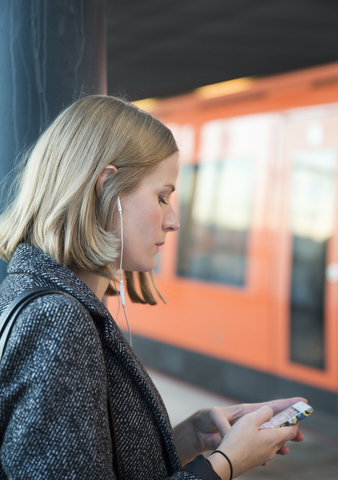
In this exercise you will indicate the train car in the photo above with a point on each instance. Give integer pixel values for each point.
(251, 279)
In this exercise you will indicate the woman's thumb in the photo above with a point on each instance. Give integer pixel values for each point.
(262, 415)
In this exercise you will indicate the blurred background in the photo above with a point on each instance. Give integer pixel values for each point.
(250, 90)
(167, 47)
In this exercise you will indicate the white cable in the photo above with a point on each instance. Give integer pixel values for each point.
(123, 301)
(125, 316)
(119, 305)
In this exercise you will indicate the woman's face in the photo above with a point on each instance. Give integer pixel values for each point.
(148, 216)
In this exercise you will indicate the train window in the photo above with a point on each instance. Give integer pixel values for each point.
(216, 203)
(312, 209)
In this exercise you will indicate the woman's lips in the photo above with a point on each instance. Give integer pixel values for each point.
(158, 245)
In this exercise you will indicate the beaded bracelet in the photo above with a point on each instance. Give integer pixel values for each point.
(228, 459)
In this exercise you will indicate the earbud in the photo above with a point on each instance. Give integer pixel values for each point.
(119, 206)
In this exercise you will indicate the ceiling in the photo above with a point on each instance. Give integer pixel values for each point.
(159, 48)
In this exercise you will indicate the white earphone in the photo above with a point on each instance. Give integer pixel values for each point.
(122, 296)
(119, 207)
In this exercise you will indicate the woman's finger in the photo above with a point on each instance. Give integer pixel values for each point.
(299, 437)
(220, 420)
(284, 450)
(262, 415)
(279, 405)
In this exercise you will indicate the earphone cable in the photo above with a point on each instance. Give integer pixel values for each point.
(121, 279)
(125, 316)
(119, 305)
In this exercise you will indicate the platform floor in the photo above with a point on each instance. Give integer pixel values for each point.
(316, 458)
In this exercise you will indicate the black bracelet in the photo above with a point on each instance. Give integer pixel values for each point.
(228, 459)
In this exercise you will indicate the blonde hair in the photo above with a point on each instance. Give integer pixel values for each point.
(57, 209)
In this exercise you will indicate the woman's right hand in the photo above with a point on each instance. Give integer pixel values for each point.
(247, 446)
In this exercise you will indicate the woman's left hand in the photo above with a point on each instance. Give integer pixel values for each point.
(205, 429)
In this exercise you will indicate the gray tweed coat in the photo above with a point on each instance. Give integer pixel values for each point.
(62, 355)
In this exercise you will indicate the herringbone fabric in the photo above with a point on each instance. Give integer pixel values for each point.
(60, 358)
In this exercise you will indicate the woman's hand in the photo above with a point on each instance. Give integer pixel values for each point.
(205, 430)
(235, 412)
(247, 446)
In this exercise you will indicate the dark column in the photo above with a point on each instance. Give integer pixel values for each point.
(52, 52)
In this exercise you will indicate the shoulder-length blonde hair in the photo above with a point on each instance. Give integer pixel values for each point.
(56, 207)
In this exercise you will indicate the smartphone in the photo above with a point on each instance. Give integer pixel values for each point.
(290, 416)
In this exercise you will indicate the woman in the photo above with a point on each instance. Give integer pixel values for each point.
(75, 400)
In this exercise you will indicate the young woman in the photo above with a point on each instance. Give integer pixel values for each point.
(75, 401)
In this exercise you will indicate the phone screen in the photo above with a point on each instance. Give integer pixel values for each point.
(290, 416)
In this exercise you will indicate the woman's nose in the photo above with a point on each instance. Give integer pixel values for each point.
(170, 221)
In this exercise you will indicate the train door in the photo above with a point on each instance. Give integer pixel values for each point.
(221, 283)
(305, 314)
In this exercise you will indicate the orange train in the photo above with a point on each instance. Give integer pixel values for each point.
(251, 280)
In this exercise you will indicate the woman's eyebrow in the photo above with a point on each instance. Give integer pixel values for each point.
(171, 186)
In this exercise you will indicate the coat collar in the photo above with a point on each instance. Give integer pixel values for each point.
(29, 260)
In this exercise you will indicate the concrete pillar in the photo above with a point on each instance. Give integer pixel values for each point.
(52, 52)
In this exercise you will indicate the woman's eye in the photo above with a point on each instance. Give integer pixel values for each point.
(161, 200)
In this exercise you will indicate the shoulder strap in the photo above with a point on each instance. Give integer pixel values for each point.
(14, 309)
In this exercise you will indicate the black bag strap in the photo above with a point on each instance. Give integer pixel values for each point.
(14, 309)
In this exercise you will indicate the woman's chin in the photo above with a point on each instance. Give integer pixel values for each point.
(142, 268)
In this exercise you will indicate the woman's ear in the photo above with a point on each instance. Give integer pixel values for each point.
(103, 178)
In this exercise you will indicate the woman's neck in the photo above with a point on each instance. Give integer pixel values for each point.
(97, 284)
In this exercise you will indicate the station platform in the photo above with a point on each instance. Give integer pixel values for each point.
(316, 458)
